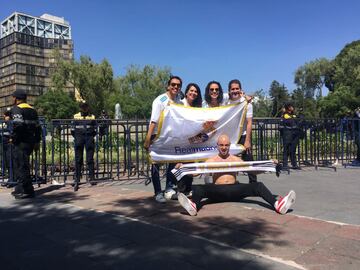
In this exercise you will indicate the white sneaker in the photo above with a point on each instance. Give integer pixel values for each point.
(188, 205)
(282, 205)
(160, 198)
(170, 194)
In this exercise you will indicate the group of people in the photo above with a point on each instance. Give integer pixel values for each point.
(22, 135)
(223, 185)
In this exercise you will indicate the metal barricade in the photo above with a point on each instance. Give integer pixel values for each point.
(38, 170)
(119, 154)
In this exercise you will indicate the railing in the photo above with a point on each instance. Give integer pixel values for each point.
(119, 153)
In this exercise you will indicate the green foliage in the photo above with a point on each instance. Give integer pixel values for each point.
(56, 104)
(345, 79)
(93, 81)
(262, 104)
(339, 103)
(137, 89)
(279, 95)
(312, 76)
(305, 105)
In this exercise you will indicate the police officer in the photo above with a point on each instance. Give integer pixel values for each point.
(6, 147)
(84, 131)
(290, 133)
(25, 137)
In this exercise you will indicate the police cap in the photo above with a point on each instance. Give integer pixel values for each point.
(19, 94)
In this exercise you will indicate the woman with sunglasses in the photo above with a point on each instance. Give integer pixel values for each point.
(214, 95)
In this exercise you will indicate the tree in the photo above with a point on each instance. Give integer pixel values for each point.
(304, 105)
(262, 104)
(56, 104)
(313, 76)
(93, 81)
(137, 89)
(279, 95)
(345, 79)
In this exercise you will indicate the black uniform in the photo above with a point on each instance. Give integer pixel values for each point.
(26, 133)
(5, 134)
(290, 133)
(84, 131)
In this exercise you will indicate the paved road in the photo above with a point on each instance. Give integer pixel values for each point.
(113, 226)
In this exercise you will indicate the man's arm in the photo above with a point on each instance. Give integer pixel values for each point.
(148, 135)
(247, 143)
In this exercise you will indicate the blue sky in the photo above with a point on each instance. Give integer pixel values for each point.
(255, 41)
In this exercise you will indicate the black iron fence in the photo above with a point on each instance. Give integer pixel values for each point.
(119, 153)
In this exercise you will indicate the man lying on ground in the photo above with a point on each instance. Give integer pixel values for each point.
(226, 188)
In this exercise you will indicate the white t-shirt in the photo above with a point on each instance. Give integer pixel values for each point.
(159, 105)
(249, 112)
(206, 105)
(185, 102)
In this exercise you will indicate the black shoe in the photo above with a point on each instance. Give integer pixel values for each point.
(19, 196)
(93, 183)
(296, 168)
(76, 186)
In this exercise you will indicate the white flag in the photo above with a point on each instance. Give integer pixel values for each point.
(188, 134)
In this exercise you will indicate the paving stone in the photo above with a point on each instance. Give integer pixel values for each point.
(348, 231)
(317, 259)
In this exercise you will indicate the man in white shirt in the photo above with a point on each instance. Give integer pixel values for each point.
(236, 94)
(159, 104)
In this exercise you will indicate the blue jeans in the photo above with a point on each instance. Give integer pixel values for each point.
(155, 176)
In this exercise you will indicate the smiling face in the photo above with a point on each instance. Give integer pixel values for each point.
(214, 91)
(174, 87)
(223, 145)
(235, 91)
(191, 94)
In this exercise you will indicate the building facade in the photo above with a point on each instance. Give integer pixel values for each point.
(27, 45)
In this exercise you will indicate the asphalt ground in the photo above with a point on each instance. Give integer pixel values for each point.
(120, 226)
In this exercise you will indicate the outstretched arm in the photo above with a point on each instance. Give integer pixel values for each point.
(148, 135)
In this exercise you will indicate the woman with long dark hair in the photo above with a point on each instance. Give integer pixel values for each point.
(214, 95)
(193, 96)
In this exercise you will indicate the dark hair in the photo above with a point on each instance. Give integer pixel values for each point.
(234, 81)
(174, 77)
(7, 113)
(84, 106)
(197, 102)
(207, 94)
(287, 105)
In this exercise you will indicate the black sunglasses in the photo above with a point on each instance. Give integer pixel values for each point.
(175, 84)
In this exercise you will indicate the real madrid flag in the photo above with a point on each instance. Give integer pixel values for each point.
(188, 134)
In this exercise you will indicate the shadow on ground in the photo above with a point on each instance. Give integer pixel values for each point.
(48, 232)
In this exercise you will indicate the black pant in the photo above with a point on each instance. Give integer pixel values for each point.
(155, 177)
(290, 143)
(7, 156)
(21, 168)
(247, 156)
(234, 192)
(185, 184)
(81, 141)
